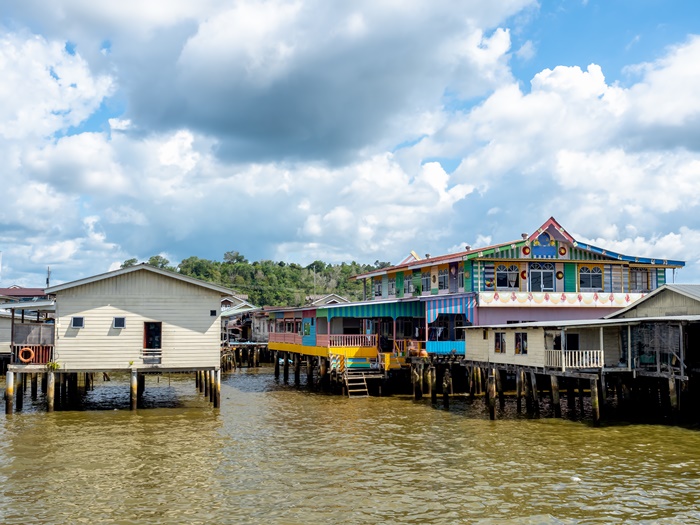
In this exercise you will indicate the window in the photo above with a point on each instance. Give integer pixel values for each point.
(507, 277)
(119, 322)
(443, 279)
(572, 342)
(152, 335)
(590, 279)
(377, 288)
(460, 276)
(500, 343)
(639, 280)
(425, 281)
(77, 322)
(408, 285)
(542, 277)
(392, 286)
(521, 343)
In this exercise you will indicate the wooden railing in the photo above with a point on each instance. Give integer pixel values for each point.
(285, 337)
(573, 359)
(42, 354)
(401, 346)
(367, 341)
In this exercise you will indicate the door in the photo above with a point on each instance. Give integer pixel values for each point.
(542, 277)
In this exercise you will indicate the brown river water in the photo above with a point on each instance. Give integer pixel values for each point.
(277, 455)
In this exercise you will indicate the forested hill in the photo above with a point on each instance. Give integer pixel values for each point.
(269, 283)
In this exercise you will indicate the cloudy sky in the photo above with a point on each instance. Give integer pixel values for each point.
(298, 130)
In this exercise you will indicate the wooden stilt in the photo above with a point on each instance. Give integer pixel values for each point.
(19, 379)
(499, 389)
(207, 383)
(580, 395)
(323, 373)
(212, 386)
(50, 390)
(285, 356)
(427, 381)
(217, 388)
(446, 388)
(196, 380)
(527, 393)
(310, 372)
(417, 372)
(44, 378)
(491, 394)
(555, 395)
(673, 394)
(9, 392)
(519, 390)
(141, 389)
(433, 385)
(35, 386)
(595, 403)
(134, 389)
(277, 366)
(297, 369)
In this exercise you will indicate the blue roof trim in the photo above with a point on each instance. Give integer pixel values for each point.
(627, 258)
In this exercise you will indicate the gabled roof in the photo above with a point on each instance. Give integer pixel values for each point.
(691, 291)
(15, 291)
(330, 298)
(141, 268)
(551, 226)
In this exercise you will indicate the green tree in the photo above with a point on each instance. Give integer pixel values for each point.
(160, 262)
(129, 262)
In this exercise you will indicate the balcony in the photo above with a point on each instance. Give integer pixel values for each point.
(346, 341)
(285, 337)
(573, 359)
(32, 344)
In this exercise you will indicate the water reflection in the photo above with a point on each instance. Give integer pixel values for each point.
(273, 454)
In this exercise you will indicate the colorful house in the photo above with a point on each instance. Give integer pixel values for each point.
(425, 303)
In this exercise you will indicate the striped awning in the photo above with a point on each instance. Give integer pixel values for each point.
(461, 304)
(371, 311)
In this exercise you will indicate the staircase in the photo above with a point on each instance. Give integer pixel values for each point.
(356, 383)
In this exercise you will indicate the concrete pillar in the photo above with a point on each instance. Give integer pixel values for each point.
(50, 390)
(9, 392)
(134, 389)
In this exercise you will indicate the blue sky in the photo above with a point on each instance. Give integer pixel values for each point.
(303, 130)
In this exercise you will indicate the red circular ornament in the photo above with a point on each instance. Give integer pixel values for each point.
(523, 275)
(562, 250)
(526, 250)
(560, 275)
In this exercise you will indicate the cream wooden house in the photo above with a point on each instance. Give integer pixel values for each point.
(138, 318)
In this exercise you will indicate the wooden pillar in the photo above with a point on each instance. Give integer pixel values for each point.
(285, 356)
(580, 395)
(44, 378)
(499, 389)
(427, 380)
(310, 372)
(134, 389)
(217, 388)
(323, 365)
(433, 385)
(297, 369)
(603, 391)
(595, 402)
(673, 394)
(491, 394)
(35, 386)
(472, 386)
(141, 388)
(196, 380)
(212, 386)
(207, 382)
(417, 374)
(50, 390)
(19, 380)
(519, 390)
(9, 392)
(555, 395)
(446, 388)
(277, 365)
(57, 388)
(527, 392)
(535, 393)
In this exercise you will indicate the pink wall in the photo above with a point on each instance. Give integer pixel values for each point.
(488, 316)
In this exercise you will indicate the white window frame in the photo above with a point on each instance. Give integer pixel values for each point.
(522, 348)
(114, 323)
(425, 278)
(74, 323)
(443, 279)
(392, 286)
(377, 285)
(511, 274)
(541, 269)
(499, 343)
(588, 272)
(408, 285)
(639, 280)
(460, 276)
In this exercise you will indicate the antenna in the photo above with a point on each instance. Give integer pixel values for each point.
(48, 276)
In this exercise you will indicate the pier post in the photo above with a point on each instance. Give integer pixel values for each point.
(207, 382)
(277, 365)
(310, 372)
(499, 389)
(141, 388)
(35, 386)
(527, 392)
(427, 380)
(519, 390)
(297, 369)
(217, 388)
(446, 388)
(433, 385)
(19, 381)
(285, 356)
(673, 394)
(9, 392)
(134, 384)
(323, 372)
(595, 402)
(535, 392)
(580, 395)
(472, 387)
(491, 394)
(196, 380)
(44, 378)
(50, 390)
(212, 386)
(555, 395)
(417, 374)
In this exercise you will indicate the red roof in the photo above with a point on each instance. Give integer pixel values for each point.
(16, 291)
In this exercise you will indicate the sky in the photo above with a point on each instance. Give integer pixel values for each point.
(302, 130)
